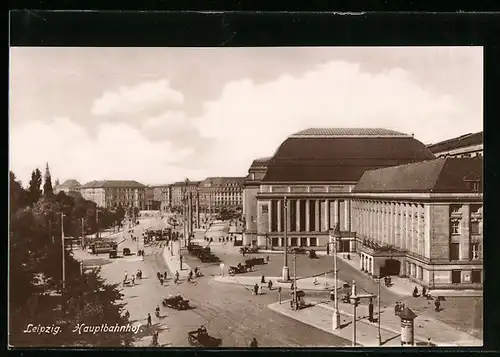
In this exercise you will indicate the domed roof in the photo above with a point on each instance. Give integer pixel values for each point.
(341, 154)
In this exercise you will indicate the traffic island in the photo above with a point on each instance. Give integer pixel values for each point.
(314, 284)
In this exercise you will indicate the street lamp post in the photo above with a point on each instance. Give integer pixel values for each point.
(354, 302)
(379, 338)
(336, 314)
(63, 253)
(285, 272)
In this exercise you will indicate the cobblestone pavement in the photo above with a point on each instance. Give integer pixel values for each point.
(229, 312)
(465, 313)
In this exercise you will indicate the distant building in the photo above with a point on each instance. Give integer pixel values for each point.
(468, 145)
(179, 189)
(162, 194)
(251, 188)
(218, 192)
(114, 193)
(67, 186)
(423, 221)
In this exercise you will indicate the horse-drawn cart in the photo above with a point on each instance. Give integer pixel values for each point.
(200, 338)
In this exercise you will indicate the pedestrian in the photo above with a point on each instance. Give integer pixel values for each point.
(133, 279)
(158, 275)
(254, 343)
(256, 289)
(437, 304)
(270, 284)
(262, 279)
(161, 281)
(260, 289)
(424, 292)
(126, 276)
(396, 308)
(415, 292)
(149, 320)
(291, 286)
(279, 294)
(165, 275)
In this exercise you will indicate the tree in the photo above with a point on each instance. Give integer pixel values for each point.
(119, 215)
(35, 277)
(18, 195)
(48, 191)
(34, 188)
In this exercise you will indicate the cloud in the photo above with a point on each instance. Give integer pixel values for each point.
(251, 120)
(131, 100)
(118, 151)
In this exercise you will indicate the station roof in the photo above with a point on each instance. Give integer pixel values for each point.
(444, 175)
(458, 142)
(260, 162)
(341, 154)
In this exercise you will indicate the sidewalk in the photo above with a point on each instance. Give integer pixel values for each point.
(317, 315)
(302, 284)
(404, 286)
(172, 260)
(366, 335)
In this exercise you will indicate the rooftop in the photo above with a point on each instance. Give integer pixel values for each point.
(222, 181)
(341, 155)
(444, 175)
(113, 184)
(260, 162)
(458, 142)
(69, 184)
(350, 132)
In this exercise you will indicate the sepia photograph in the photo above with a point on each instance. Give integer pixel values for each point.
(245, 197)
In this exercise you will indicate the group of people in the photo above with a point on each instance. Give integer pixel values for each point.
(126, 281)
(257, 288)
(161, 277)
(425, 293)
(197, 273)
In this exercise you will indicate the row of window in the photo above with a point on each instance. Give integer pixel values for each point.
(295, 242)
(474, 251)
(475, 278)
(455, 227)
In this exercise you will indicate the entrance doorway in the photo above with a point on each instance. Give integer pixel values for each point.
(344, 246)
(391, 267)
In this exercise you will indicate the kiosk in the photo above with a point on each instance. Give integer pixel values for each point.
(407, 317)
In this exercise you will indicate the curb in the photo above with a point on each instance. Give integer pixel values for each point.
(228, 281)
(271, 307)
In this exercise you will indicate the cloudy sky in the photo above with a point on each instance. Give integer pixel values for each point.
(159, 115)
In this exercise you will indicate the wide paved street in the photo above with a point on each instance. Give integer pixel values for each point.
(228, 311)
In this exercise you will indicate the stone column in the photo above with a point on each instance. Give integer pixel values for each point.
(279, 213)
(427, 234)
(465, 230)
(270, 213)
(288, 217)
(316, 215)
(297, 215)
(346, 215)
(327, 216)
(308, 226)
(335, 213)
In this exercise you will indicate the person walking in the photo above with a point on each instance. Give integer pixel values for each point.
(437, 304)
(279, 294)
(165, 275)
(133, 280)
(262, 279)
(260, 289)
(149, 320)
(270, 285)
(256, 289)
